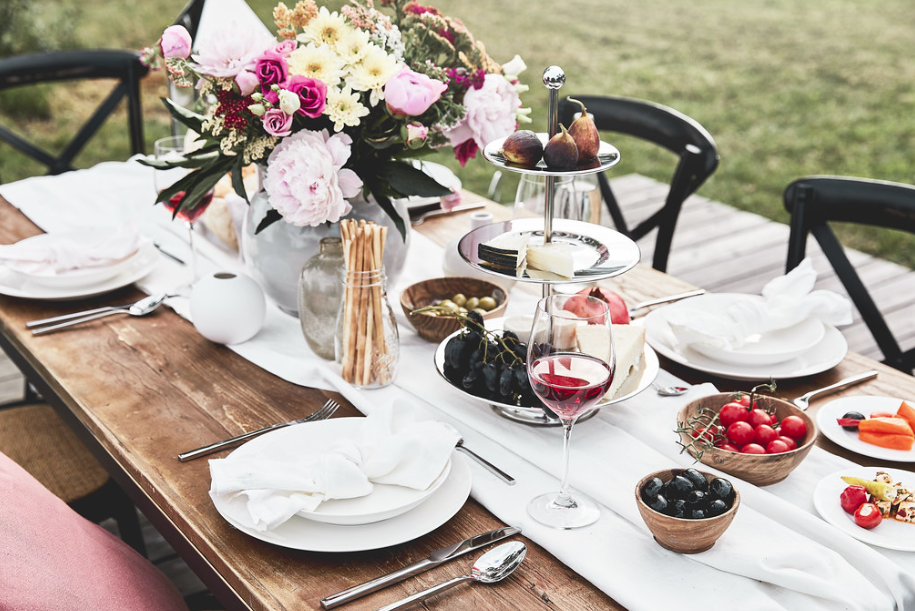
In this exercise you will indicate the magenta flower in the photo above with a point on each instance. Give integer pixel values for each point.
(311, 92)
(175, 42)
(277, 123)
(271, 69)
(410, 94)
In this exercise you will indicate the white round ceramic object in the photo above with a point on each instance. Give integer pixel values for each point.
(228, 308)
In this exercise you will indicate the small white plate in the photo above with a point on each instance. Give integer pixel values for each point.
(385, 501)
(13, 284)
(308, 535)
(824, 355)
(890, 534)
(829, 413)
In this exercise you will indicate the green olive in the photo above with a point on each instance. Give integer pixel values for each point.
(488, 303)
(481, 311)
(459, 299)
(449, 304)
(472, 303)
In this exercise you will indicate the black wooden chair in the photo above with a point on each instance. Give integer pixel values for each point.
(666, 128)
(58, 66)
(817, 201)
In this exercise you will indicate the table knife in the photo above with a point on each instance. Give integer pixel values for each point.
(435, 558)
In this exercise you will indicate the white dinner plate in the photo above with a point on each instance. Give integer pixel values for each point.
(826, 422)
(310, 536)
(13, 284)
(824, 355)
(315, 438)
(890, 534)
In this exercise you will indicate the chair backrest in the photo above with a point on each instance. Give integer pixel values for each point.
(190, 17)
(124, 66)
(816, 201)
(666, 128)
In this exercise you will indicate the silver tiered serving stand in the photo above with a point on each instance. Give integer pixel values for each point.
(598, 252)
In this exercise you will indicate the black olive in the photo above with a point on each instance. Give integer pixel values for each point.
(658, 503)
(696, 478)
(854, 416)
(697, 514)
(676, 509)
(678, 487)
(652, 487)
(720, 488)
(716, 508)
(696, 500)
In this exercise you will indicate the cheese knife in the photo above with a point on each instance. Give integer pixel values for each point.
(435, 558)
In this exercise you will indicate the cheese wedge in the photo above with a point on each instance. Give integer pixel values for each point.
(629, 342)
(505, 252)
(555, 257)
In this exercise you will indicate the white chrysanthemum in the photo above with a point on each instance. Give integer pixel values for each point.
(344, 108)
(354, 46)
(372, 73)
(326, 28)
(317, 62)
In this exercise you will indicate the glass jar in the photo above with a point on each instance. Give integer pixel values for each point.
(320, 293)
(366, 340)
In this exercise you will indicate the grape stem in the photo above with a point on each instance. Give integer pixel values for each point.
(466, 320)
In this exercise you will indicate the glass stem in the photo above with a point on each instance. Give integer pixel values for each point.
(564, 499)
(190, 241)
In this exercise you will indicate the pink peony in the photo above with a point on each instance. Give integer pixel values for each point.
(277, 123)
(247, 82)
(311, 92)
(286, 48)
(490, 113)
(233, 49)
(271, 69)
(410, 94)
(175, 42)
(306, 181)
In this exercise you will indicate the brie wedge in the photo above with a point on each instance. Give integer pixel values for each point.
(555, 257)
(629, 343)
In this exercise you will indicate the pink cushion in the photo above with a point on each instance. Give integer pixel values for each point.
(52, 558)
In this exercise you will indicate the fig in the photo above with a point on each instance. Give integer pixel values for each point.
(560, 152)
(523, 147)
(584, 133)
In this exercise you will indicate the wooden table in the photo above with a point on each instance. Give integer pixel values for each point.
(139, 391)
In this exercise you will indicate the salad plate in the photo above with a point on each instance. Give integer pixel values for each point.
(607, 157)
(828, 414)
(890, 533)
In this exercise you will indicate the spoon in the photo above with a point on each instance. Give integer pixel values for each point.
(493, 566)
(140, 308)
(670, 391)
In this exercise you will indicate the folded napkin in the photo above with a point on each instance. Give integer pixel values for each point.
(786, 301)
(55, 253)
(391, 448)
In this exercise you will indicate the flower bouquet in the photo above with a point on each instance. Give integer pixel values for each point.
(338, 106)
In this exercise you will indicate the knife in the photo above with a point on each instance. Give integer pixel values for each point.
(435, 558)
(667, 299)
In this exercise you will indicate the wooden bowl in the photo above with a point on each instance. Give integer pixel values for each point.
(679, 534)
(758, 469)
(430, 292)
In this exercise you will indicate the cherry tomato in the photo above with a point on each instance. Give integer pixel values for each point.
(752, 448)
(792, 445)
(776, 446)
(760, 416)
(794, 427)
(852, 498)
(764, 435)
(732, 412)
(729, 447)
(740, 433)
(867, 515)
(744, 400)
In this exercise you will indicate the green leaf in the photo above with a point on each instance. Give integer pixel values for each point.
(238, 180)
(270, 218)
(378, 192)
(184, 116)
(406, 180)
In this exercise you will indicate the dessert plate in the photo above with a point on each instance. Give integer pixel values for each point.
(607, 157)
(824, 355)
(311, 439)
(13, 284)
(598, 252)
(890, 534)
(828, 414)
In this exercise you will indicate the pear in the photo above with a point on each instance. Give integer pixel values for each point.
(523, 147)
(561, 152)
(585, 134)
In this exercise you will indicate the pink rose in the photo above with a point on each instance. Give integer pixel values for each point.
(277, 123)
(415, 134)
(286, 48)
(247, 82)
(410, 94)
(306, 181)
(490, 113)
(271, 69)
(175, 42)
(311, 92)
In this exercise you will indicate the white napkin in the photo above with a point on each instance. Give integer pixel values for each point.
(787, 301)
(52, 254)
(393, 448)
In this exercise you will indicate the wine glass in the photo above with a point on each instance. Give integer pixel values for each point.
(570, 363)
(174, 148)
(530, 198)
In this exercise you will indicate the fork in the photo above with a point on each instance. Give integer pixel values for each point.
(802, 403)
(323, 413)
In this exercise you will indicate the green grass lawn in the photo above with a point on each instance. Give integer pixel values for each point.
(787, 87)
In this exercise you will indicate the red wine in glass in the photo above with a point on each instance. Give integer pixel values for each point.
(570, 384)
(188, 214)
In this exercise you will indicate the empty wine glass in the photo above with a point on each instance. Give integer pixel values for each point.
(174, 148)
(570, 363)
